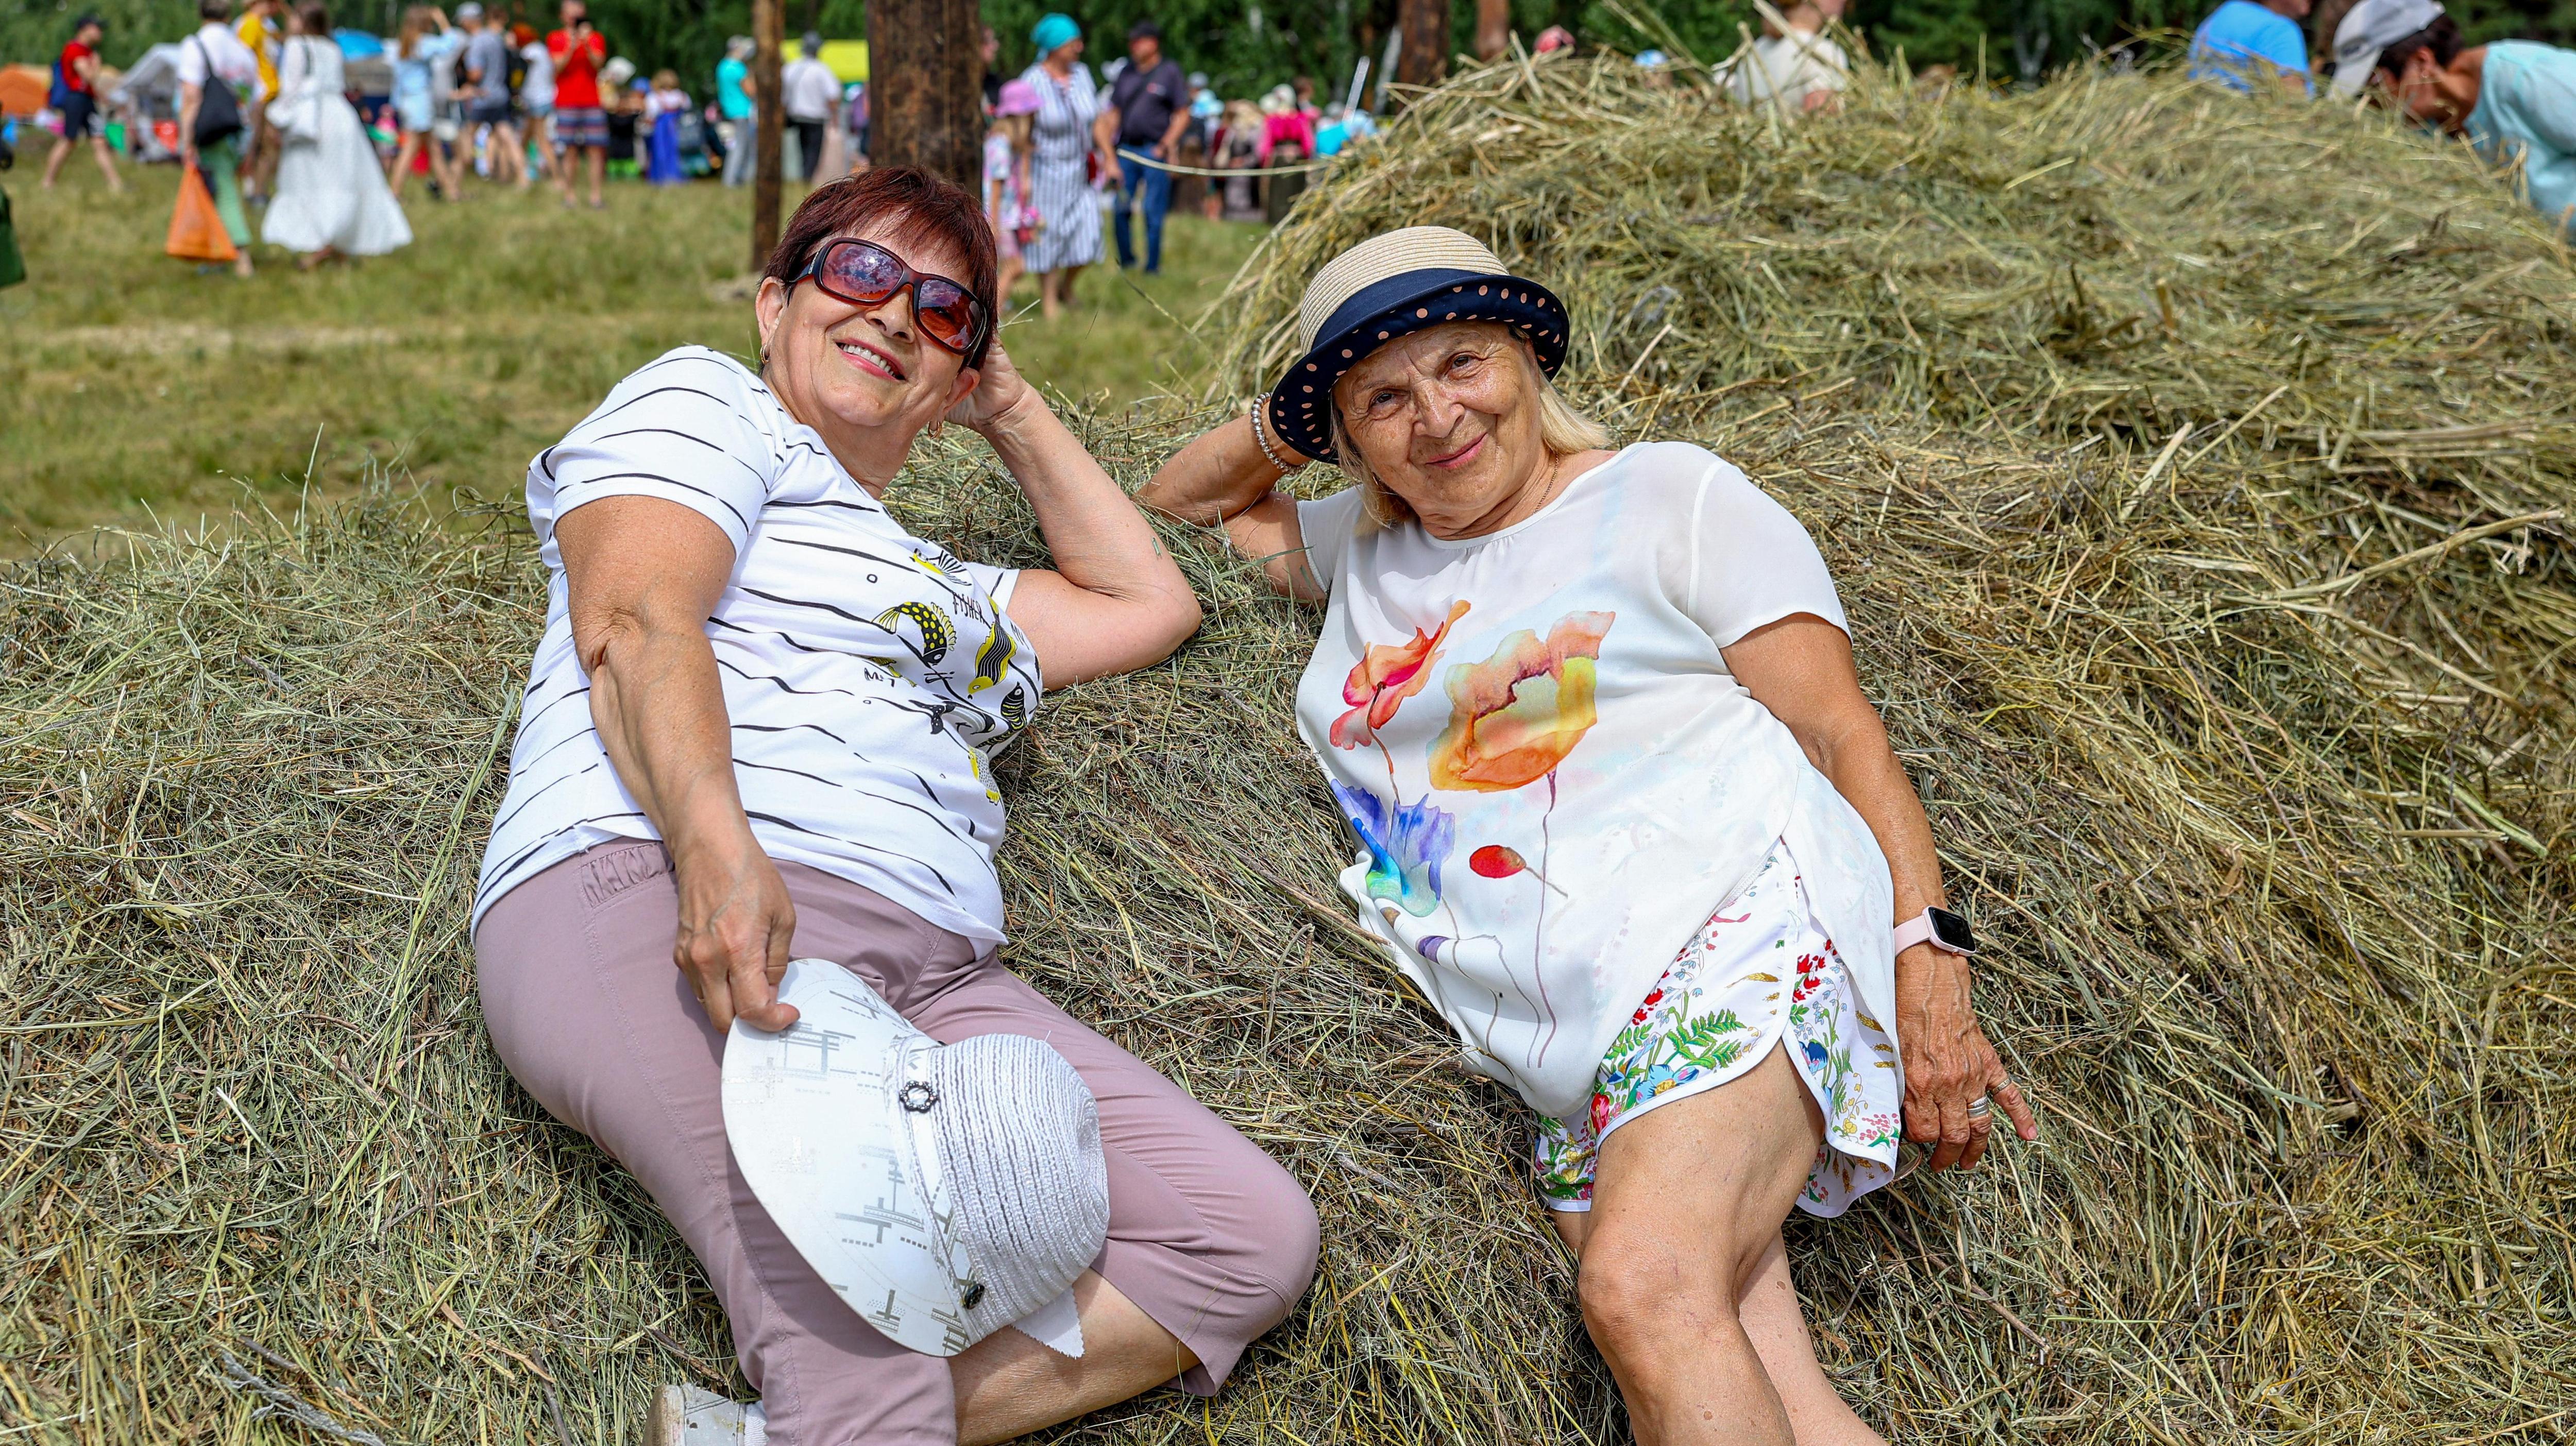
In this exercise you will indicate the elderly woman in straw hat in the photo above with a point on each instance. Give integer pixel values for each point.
(1624, 813)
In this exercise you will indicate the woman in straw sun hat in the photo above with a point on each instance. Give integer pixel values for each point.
(1624, 813)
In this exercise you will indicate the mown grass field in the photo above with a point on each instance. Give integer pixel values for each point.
(132, 387)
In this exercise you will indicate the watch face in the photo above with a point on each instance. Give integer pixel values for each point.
(1952, 930)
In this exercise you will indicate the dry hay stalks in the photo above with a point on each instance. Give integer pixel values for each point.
(2198, 470)
(2277, 881)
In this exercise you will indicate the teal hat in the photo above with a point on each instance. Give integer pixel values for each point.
(1054, 30)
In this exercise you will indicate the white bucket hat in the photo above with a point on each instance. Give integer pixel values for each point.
(945, 1191)
(2369, 28)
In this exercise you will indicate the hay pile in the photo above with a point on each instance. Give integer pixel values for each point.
(2250, 751)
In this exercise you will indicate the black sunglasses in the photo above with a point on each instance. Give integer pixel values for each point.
(866, 274)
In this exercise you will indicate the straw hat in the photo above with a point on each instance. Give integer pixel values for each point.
(944, 1191)
(1389, 286)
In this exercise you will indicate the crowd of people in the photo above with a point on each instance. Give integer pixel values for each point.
(477, 95)
(1073, 161)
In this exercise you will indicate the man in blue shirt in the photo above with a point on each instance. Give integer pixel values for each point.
(2242, 42)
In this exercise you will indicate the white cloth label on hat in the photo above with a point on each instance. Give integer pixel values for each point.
(1056, 1325)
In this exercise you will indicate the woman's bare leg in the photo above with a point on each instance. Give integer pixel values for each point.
(403, 153)
(107, 164)
(1009, 1385)
(1684, 1279)
(1818, 1414)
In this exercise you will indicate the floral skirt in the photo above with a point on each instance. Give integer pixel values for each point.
(1759, 969)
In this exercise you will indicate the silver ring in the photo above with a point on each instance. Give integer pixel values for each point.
(1980, 1107)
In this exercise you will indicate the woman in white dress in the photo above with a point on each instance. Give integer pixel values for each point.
(331, 194)
(1626, 816)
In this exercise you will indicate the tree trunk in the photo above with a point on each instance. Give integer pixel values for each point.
(926, 87)
(1493, 28)
(768, 19)
(1425, 57)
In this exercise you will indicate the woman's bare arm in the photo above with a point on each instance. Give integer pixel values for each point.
(1801, 669)
(1222, 478)
(1115, 601)
(643, 575)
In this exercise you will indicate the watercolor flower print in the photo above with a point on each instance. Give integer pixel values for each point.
(1407, 842)
(1513, 719)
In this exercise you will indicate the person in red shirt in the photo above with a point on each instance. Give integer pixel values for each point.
(580, 123)
(76, 96)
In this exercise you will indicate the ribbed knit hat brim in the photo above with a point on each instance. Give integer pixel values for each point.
(1019, 1150)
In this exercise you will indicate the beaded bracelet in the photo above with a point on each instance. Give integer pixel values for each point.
(1253, 411)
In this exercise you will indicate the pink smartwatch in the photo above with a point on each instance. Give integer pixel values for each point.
(1940, 928)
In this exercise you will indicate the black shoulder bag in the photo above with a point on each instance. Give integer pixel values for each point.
(219, 116)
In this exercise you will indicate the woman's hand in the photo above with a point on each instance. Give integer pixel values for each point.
(1949, 1066)
(1115, 601)
(998, 388)
(1801, 669)
(736, 923)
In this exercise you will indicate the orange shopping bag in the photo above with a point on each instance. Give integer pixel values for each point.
(196, 227)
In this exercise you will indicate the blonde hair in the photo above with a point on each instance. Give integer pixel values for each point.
(1562, 432)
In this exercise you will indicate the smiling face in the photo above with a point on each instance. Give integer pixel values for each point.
(866, 377)
(1448, 419)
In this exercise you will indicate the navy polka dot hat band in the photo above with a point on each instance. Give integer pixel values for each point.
(1390, 286)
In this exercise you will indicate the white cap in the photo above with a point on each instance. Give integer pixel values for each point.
(468, 13)
(2369, 28)
(943, 1191)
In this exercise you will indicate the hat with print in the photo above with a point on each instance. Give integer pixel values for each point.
(2369, 28)
(942, 1190)
(1392, 285)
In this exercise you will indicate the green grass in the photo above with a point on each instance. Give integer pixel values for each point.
(130, 384)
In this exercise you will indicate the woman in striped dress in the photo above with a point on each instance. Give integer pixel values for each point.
(1068, 238)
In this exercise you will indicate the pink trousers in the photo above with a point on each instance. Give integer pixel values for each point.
(1208, 1235)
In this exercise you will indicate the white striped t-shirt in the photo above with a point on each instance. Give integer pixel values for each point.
(868, 675)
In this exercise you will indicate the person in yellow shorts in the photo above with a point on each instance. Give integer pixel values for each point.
(262, 31)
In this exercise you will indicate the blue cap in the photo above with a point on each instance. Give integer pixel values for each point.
(1054, 31)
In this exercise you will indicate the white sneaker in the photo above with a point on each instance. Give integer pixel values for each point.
(687, 1416)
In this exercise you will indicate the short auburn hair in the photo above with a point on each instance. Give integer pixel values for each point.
(921, 208)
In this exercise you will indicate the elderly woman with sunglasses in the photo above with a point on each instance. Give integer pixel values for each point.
(1624, 814)
(759, 726)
